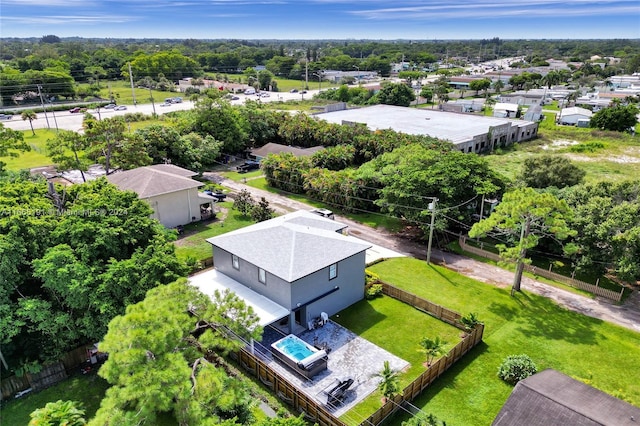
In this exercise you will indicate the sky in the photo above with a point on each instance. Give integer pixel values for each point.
(322, 19)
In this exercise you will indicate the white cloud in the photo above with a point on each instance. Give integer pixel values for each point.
(69, 19)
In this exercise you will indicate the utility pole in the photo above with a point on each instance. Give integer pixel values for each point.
(152, 103)
(43, 107)
(306, 73)
(319, 75)
(432, 207)
(133, 91)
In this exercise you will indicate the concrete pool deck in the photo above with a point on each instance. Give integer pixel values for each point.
(350, 356)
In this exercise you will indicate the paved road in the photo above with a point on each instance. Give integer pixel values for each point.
(627, 315)
(73, 121)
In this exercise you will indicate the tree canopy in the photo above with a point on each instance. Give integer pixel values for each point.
(523, 217)
(550, 170)
(618, 118)
(165, 356)
(72, 259)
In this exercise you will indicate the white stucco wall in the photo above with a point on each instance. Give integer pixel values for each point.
(176, 208)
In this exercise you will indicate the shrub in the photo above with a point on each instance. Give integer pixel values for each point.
(470, 321)
(516, 367)
(372, 291)
(371, 277)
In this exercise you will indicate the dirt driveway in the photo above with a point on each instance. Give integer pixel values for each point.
(626, 315)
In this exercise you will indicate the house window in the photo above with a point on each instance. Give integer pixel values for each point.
(235, 261)
(262, 275)
(333, 271)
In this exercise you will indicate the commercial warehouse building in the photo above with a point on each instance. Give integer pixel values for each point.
(469, 133)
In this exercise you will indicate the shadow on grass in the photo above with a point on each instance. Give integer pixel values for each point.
(359, 317)
(447, 380)
(542, 318)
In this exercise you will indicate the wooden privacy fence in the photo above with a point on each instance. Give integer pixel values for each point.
(49, 375)
(572, 282)
(317, 413)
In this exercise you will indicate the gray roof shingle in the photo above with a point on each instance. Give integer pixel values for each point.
(551, 398)
(290, 246)
(150, 181)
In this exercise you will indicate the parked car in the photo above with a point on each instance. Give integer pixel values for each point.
(120, 108)
(264, 94)
(218, 195)
(324, 213)
(109, 106)
(250, 91)
(247, 166)
(74, 110)
(6, 116)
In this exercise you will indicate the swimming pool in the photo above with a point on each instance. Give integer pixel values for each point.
(294, 347)
(299, 356)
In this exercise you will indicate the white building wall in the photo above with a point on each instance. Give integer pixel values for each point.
(176, 208)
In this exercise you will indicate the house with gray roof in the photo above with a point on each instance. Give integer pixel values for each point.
(170, 191)
(296, 267)
(551, 398)
(275, 148)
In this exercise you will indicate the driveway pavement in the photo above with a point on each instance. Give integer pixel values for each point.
(626, 315)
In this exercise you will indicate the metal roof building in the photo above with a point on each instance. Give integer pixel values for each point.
(469, 133)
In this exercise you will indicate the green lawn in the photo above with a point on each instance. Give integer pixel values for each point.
(89, 389)
(599, 353)
(398, 328)
(37, 156)
(192, 243)
(121, 92)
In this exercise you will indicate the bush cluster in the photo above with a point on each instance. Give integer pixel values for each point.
(516, 367)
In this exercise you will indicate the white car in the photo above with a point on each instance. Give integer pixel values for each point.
(120, 108)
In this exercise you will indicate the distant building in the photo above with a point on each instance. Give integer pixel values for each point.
(275, 148)
(468, 133)
(505, 110)
(534, 113)
(572, 115)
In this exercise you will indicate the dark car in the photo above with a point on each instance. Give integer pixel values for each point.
(247, 166)
(218, 195)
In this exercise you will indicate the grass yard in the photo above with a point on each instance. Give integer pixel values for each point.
(121, 92)
(599, 353)
(603, 155)
(37, 156)
(89, 389)
(382, 321)
(192, 243)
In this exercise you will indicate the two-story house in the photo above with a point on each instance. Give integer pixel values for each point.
(300, 262)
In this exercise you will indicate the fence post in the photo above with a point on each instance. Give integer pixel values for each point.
(597, 282)
(573, 274)
(550, 265)
(621, 293)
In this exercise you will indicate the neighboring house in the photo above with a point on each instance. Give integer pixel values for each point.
(275, 148)
(463, 105)
(293, 267)
(170, 192)
(551, 398)
(534, 113)
(531, 97)
(573, 115)
(505, 110)
(188, 82)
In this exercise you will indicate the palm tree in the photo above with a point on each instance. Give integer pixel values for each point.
(30, 115)
(432, 348)
(389, 384)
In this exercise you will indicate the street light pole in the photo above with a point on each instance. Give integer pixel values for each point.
(432, 207)
(358, 69)
(319, 75)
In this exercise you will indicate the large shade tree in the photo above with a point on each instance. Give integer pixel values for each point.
(523, 217)
(165, 355)
(72, 259)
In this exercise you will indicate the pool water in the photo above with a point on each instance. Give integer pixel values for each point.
(294, 348)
